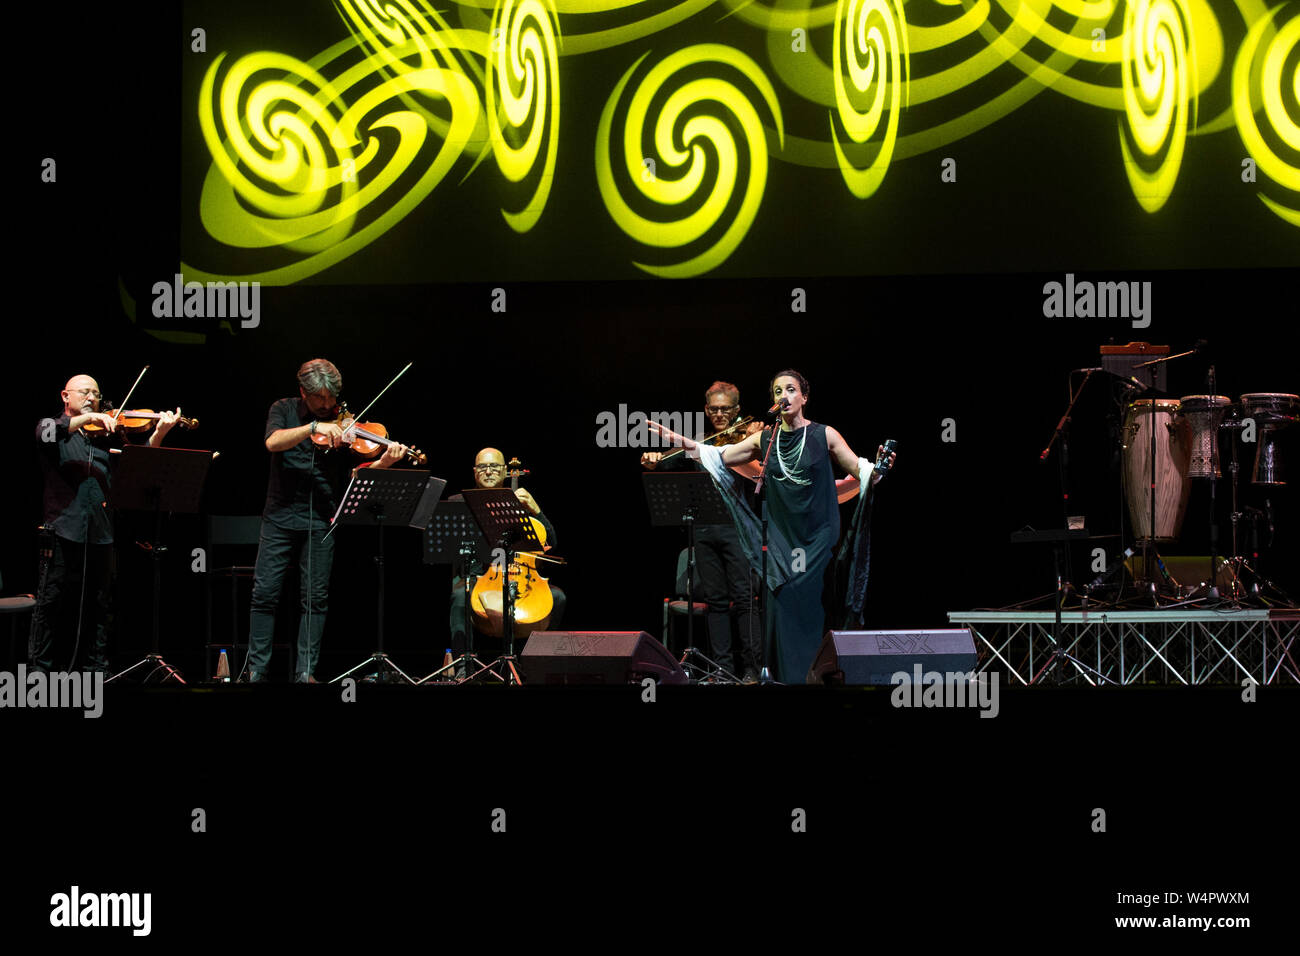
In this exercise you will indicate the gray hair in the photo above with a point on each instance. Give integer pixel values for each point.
(318, 374)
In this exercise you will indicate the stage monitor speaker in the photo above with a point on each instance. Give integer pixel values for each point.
(597, 657)
(872, 657)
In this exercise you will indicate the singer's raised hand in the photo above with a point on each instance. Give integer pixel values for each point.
(670, 436)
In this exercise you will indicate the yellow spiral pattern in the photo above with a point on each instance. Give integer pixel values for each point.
(858, 34)
(299, 160)
(1157, 62)
(523, 99)
(678, 151)
(1265, 77)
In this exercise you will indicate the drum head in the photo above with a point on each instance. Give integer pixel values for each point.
(1143, 405)
(1271, 408)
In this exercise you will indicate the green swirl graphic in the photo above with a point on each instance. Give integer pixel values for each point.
(687, 160)
(863, 37)
(1259, 76)
(1156, 63)
(314, 161)
(524, 66)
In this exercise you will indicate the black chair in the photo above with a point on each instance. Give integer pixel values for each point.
(232, 547)
(678, 607)
(13, 607)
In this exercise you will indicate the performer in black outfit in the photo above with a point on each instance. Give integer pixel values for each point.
(77, 562)
(804, 524)
(723, 573)
(490, 472)
(302, 495)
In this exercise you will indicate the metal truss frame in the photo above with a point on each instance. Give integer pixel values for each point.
(1142, 647)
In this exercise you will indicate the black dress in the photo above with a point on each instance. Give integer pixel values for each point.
(802, 505)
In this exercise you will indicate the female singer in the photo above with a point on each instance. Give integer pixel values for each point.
(803, 513)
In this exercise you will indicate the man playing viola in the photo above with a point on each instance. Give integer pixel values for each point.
(723, 570)
(306, 482)
(78, 529)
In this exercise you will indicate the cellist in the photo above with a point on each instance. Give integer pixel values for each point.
(490, 472)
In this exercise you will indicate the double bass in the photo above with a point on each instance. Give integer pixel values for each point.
(533, 601)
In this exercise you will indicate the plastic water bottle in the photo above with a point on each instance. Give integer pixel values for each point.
(223, 667)
(449, 672)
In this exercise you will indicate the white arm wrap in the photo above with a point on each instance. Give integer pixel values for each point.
(865, 469)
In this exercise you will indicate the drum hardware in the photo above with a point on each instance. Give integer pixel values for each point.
(1167, 479)
(1272, 412)
(1204, 414)
(1237, 563)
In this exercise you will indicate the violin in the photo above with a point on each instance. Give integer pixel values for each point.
(730, 435)
(533, 600)
(136, 420)
(368, 439)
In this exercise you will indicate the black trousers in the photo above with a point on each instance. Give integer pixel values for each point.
(722, 582)
(276, 549)
(52, 643)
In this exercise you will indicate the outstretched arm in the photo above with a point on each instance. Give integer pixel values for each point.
(843, 454)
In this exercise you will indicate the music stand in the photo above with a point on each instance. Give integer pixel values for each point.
(452, 537)
(158, 480)
(1057, 537)
(382, 497)
(502, 517)
(688, 499)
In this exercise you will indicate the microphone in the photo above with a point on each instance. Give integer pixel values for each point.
(780, 405)
(1105, 576)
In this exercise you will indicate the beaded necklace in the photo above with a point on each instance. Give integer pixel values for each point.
(789, 466)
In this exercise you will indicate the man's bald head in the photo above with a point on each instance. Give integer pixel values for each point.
(81, 395)
(485, 475)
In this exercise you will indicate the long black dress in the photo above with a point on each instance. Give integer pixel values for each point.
(802, 506)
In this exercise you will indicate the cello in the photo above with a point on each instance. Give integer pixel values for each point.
(533, 601)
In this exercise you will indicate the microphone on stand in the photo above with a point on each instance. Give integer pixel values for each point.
(770, 416)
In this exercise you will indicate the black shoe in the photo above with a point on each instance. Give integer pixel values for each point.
(254, 677)
(751, 676)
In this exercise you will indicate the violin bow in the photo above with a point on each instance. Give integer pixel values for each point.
(362, 413)
(117, 414)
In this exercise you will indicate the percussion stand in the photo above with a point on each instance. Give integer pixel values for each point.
(1058, 538)
(1150, 553)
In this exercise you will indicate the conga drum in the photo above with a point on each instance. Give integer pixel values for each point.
(1203, 415)
(1273, 412)
(1143, 420)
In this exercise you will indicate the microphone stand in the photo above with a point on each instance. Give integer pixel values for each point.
(769, 637)
(1062, 433)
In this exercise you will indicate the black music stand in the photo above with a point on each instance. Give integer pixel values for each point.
(1057, 538)
(158, 480)
(379, 497)
(688, 499)
(502, 517)
(452, 537)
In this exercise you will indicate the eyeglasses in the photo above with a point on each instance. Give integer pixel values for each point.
(489, 467)
(720, 409)
(87, 391)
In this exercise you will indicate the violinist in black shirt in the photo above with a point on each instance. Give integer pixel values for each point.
(77, 566)
(302, 496)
